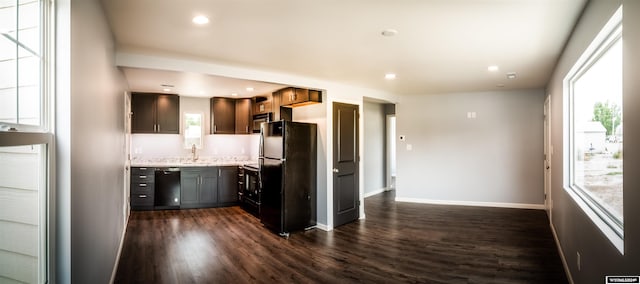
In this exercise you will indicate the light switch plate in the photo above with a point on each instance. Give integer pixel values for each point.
(409, 147)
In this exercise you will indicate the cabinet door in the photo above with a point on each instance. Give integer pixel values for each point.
(189, 183)
(168, 114)
(288, 95)
(262, 106)
(243, 116)
(277, 102)
(223, 117)
(208, 194)
(228, 185)
(143, 109)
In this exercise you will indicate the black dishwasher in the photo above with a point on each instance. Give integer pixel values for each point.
(167, 193)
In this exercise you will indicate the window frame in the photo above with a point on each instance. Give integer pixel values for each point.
(609, 224)
(185, 126)
(47, 33)
(16, 134)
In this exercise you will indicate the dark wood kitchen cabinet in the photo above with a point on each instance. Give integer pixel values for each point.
(299, 97)
(228, 185)
(230, 116)
(262, 104)
(155, 113)
(280, 112)
(142, 189)
(223, 116)
(243, 116)
(198, 187)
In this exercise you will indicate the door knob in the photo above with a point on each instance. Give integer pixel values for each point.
(335, 170)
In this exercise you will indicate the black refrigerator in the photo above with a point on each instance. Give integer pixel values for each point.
(288, 176)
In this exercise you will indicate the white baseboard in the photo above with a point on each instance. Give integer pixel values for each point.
(375, 192)
(472, 203)
(322, 227)
(562, 257)
(115, 267)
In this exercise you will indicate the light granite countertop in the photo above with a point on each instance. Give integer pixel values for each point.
(189, 162)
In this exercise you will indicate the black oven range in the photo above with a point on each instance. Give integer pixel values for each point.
(251, 189)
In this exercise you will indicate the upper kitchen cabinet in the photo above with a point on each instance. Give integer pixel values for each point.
(262, 104)
(230, 116)
(155, 113)
(294, 97)
(223, 116)
(243, 116)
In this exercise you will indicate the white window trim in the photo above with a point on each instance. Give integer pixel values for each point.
(200, 144)
(42, 134)
(592, 53)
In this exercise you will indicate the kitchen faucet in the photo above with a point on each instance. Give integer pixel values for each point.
(193, 152)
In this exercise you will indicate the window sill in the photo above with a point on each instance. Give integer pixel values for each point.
(614, 238)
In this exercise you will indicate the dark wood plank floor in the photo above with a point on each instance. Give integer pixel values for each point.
(398, 242)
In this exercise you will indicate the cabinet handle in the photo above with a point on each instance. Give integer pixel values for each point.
(158, 127)
(219, 172)
(143, 169)
(247, 128)
(143, 185)
(215, 128)
(142, 196)
(143, 176)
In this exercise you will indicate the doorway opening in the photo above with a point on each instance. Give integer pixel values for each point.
(391, 151)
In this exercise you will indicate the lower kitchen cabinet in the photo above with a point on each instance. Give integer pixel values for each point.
(202, 187)
(228, 185)
(142, 188)
(198, 187)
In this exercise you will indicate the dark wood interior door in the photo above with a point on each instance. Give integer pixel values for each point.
(346, 199)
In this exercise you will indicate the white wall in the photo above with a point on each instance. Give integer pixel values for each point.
(90, 145)
(374, 120)
(575, 231)
(494, 159)
(150, 146)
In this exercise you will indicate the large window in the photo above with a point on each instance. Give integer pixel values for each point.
(595, 148)
(21, 62)
(25, 142)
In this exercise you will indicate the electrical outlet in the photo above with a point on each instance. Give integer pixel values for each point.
(578, 261)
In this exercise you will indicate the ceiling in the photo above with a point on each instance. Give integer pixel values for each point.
(195, 84)
(441, 45)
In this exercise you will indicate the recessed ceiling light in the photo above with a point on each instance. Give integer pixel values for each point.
(166, 90)
(234, 95)
(493, 68)
(511, 75)
(390, 76)
(200, 20)
(249, 89)
(389, 32)
(201, 92)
